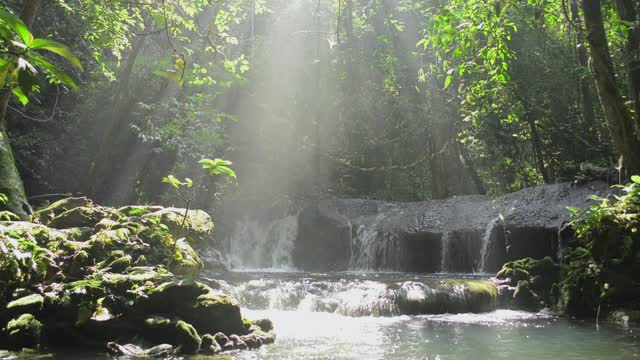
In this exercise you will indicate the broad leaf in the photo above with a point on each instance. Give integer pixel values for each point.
(56, 73)
(22, 97)
(635, 179)
(15, 24)
(56, 47)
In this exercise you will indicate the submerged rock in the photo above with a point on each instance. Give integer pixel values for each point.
(131, 350)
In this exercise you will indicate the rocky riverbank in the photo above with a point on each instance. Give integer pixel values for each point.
(120, 280)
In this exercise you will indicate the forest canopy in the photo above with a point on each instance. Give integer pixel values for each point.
(395, 100)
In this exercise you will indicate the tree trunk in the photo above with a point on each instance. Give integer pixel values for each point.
(588, 116)
(10, 180)
(617, 115)
(627, 11)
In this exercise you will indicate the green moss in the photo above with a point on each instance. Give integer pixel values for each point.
(187, 337)
(121, 264)
(23, 332)
(10, 181)
(28, 304)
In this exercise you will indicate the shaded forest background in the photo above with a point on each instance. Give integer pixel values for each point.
(395, 100)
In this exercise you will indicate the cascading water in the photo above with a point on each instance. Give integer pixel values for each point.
(372, 248)
(488, 240)
(444, 252)
(391, 294)
(255, 245)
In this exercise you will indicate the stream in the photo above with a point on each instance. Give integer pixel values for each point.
(355, 316)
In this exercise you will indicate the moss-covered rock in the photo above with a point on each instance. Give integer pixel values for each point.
(120, 264)
(525, 298)
(79, 217)
(187, 337)
(47, 214)
(224, 341)
(263, 324)
(23, 332)
(482, 294)
(85, 287)
(198, 225)
(28, 304)
(210, 345)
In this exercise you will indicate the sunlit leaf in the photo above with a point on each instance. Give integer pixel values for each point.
(56, 47)
(15, 24)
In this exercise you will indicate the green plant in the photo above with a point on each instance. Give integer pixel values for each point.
(186, 190)
(20, 58)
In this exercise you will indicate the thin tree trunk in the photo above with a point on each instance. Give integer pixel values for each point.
(588, 116)
(617, 115)
(627, 11)
(10, 181)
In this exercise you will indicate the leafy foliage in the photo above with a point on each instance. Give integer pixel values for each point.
(20, 59)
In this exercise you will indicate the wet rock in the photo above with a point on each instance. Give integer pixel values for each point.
(253, 341)
(525, 298)
(625, 317)
(176, 332)
(264, 324)
(210, 345)
(187, 337)
(135, 351)
(238, 343)
(265, 337)
(224, 342)
(23, 332)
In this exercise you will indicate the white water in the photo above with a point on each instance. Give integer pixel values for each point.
(487, 245)
(372, 248)
(258, 245)
(444, 252)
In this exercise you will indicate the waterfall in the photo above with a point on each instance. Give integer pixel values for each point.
(255, 244)
(487, 245)
(372, 248)
(444, 252)
(364, 246)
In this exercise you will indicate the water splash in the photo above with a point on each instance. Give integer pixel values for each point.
(258, 245)
(367, 297)
(488, 245)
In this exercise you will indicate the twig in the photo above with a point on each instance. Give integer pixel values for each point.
(53, 112)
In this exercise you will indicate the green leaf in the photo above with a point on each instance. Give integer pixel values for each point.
(17, 26)
(56, 47)
(171, 180)
(56, 73)
(447, 81)
(22, 97)
(636, 179)
(225, 170)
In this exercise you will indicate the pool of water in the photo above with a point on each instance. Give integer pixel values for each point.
(327, 333)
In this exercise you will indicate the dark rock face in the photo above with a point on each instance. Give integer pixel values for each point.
(323, 240)
(460, 234)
